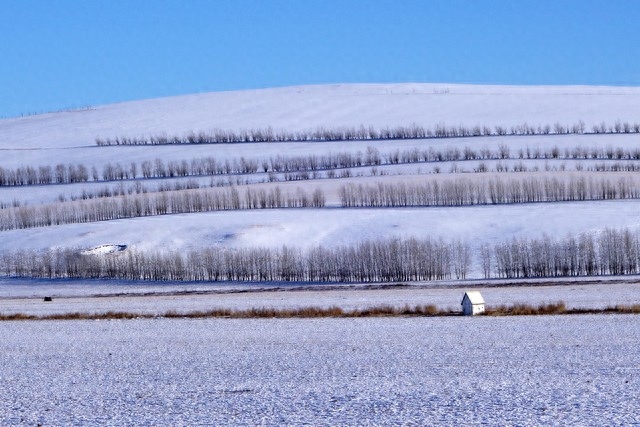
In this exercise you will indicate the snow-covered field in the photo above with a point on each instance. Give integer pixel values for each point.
(550, 370)
(95, 298)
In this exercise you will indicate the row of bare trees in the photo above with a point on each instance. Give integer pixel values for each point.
(464, 191)
(297, 166)
(138, 187)
(447, 192)
(362, 133)
(139, 205)
(370, 261)
(29, 175)
(611, 252)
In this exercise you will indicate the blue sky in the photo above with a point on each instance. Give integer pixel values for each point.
(58, 54)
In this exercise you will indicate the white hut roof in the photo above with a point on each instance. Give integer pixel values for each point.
(474, 296)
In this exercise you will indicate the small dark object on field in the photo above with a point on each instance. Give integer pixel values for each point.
(48, 299)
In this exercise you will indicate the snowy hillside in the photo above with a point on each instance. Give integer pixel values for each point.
(308, 107)
(268, 194)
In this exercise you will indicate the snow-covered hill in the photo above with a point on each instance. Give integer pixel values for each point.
(68, 138)
(308, 107)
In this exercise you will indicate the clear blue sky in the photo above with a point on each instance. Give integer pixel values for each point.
(57, 54)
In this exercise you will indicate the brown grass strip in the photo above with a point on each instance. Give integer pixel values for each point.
(558, 308)
(527, 309)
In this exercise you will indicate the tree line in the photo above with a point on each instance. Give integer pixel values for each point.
(138, 187)
(140, 205)
(449, 192)
(465, 191)
(370, 261)
(29, 175)
(610, 252)
(297, 166)
(362, 133)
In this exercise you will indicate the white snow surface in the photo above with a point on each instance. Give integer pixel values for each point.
(104, 249)
(309, 107)
(548, 370)
(95, 297)
(307, 228)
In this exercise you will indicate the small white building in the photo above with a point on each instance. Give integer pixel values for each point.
(472, 303)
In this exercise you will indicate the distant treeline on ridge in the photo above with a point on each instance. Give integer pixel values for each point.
(363, 133)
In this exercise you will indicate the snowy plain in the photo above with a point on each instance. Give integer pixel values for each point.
(549, 370)
(26, 297)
